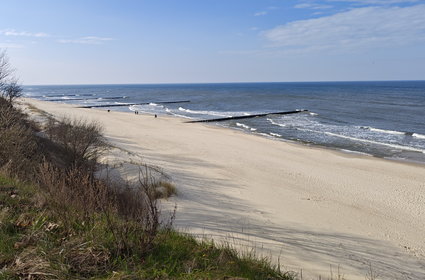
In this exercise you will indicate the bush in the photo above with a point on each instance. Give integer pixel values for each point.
(130, 213)
(83, 141)
(18, 144)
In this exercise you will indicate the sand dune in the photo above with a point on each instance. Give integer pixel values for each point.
(311, 208)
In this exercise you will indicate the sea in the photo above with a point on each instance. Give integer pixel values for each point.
(380, 119)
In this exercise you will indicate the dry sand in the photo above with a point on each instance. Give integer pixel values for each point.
(308, 208)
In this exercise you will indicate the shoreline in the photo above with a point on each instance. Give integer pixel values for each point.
(320, 206)
(258, 134)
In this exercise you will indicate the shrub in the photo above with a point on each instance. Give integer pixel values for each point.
(80, 202)
(18, 144)
(82, 141)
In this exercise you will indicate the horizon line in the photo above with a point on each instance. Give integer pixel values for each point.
(212, 83)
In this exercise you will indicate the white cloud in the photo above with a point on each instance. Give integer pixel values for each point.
(89, 40)
(369, 27)
(262, 13)
(12, 32)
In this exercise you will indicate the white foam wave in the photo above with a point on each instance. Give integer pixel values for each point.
(400, 147)
(313, 114)
(275, 134)
(132, 108)
(168, 110)
(417, 135)
(355, 152)
(242, 125)
(213, 113)
(405, 148)
(276, 123)
(263, 134)
(181, 116)
(386, 131)
(156, 105)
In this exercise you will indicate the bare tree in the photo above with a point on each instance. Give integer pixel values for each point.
(12, 90)
(5, 69)
(9, 86)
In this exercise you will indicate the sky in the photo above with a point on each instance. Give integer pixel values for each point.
(210, 41)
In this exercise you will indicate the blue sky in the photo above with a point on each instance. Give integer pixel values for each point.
(184, 41)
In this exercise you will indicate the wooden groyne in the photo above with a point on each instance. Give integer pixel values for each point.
(249, 116)
(131, 104)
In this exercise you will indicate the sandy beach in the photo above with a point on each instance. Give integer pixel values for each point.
(308, 208)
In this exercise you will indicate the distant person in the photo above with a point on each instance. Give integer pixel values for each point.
(156, 116)
(109, 110)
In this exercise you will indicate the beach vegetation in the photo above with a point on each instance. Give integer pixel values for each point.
(18, 143)
(10, 89)
(165, 189)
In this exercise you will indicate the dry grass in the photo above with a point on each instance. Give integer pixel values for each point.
(30, 264)
(18, 144)
(82, 141)
(85, 258)
(164, 189)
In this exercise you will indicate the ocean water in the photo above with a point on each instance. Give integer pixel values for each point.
(382, 119)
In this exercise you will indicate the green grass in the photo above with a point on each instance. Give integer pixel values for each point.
(34, 242)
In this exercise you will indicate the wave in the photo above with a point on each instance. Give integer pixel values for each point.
(133, 108)
(263, 134)
(177, 115)
(242, 125)
(396, 146)
(355, 152)
(65, 95)
(276, 123)
(382, 130)
(154, 105)
(213, 113)
(122, 103)
(275, 134)
(246, 126)
(394, 132)
(417, 135)
(406, 148)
